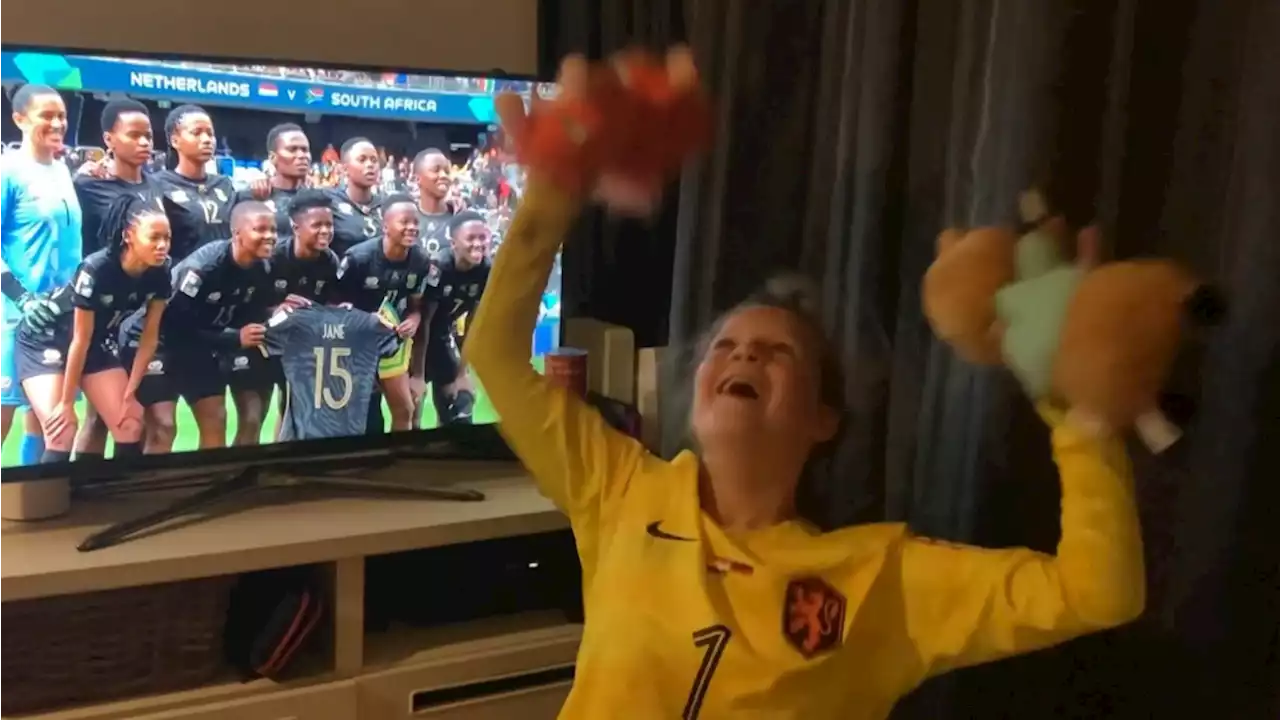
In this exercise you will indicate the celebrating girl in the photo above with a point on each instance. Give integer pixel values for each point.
(707, 594)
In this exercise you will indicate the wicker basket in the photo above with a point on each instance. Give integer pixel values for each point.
(76, 649)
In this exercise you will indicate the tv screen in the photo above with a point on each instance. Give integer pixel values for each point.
(201, 255)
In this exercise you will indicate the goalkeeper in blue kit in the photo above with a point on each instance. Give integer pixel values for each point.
(40, 243)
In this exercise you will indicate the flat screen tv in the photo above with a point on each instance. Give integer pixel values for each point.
(203, 255)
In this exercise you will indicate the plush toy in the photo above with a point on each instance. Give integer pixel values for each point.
(622, 130)
(1099, 340)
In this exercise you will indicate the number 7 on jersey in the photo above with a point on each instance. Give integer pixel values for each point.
(712, 641)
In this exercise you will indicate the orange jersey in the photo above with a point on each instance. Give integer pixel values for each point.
(685, 620)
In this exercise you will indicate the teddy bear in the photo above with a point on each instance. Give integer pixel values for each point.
(1098, 340)
(628, 126)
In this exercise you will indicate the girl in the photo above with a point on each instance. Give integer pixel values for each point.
(199, 203)
(706, 594)
(78, 352)
(39, 239)
(126, 132)
(357, 214)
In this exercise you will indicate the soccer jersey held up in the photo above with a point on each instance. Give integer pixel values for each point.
(330, 358)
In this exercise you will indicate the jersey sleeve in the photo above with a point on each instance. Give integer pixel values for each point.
(188, 282)
(578, 461)
(431, 281)
(326, 286)
(82, 287)
(279, 327)
(424, 263)
(349, 275)
(91, 214)
(967, 605)
(160, 285)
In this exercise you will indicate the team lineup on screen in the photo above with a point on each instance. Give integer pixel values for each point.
(158, 308)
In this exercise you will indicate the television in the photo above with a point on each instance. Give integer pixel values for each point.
(264, 330)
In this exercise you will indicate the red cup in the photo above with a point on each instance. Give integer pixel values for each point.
(567, 367)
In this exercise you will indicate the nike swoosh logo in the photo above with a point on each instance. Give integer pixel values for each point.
(655, 530)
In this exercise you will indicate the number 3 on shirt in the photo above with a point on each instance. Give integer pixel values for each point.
(712, 641)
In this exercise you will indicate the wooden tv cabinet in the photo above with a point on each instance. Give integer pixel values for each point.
(361, 677)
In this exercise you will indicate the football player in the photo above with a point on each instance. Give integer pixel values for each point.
(463, 276)
(78, 349)
(39, 239)
(215, 289)
(393, 271)
(126, 132)
(357, 207)
(199, 203)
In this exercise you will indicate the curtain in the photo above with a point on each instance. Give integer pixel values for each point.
(849, 132)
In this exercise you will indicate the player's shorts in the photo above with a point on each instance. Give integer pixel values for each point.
(397, 364)
(444, 358)
(250, 370)
(46, 354)
(192, 375)
(11, 394)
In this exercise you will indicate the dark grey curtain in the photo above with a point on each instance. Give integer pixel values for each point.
(849, 133)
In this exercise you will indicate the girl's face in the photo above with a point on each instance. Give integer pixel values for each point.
(44, 124)
(400, 222)
(194, 138)
(759, 383)
(362, 165)
(130, 139)
(149, 238)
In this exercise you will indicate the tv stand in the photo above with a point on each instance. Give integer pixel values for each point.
(353, 672)
(253, 479)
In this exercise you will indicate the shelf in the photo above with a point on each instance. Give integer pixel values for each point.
(403, 646)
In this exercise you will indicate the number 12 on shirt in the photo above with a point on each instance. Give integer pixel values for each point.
(333, 367)
(712, 641)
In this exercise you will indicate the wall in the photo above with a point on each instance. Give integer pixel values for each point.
(476, 36)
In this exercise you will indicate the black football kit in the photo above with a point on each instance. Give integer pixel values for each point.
(330, 359)
(199, 210)
(314, 278)
(455, 293)
(367, 278)
(353, 223)
(96, 195)
(433, 231)
(212, 297)
(102, 287)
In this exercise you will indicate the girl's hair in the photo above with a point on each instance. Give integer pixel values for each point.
(121, 215)
(798, 295)
(171, 123)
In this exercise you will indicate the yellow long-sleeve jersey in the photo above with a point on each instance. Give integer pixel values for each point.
(684, 620)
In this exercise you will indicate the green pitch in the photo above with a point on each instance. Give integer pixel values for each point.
(188, 437)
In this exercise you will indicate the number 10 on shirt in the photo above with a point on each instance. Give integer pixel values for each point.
(330, 363)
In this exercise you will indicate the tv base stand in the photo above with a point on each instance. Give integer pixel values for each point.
(249, 480)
